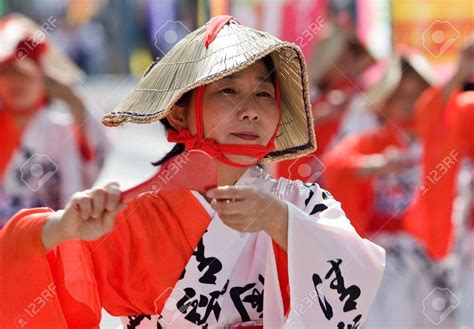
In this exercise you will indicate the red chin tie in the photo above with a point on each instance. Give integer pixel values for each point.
(215, 150)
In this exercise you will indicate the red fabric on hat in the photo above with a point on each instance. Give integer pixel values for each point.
(214, 26)
(27, 47)
(32, 50)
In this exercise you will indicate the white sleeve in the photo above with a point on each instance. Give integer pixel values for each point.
(95, 135)
(63, 148)
(334, 274)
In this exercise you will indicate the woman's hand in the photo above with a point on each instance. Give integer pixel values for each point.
(251, 209)
(88, 215)
(65, 93)
(464, 70)
(391, 160)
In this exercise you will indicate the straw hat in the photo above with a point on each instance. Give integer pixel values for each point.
(393, 73)
(15, 29)
(329, 49)
(190, 64)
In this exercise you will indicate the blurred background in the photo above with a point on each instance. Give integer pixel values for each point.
(122, 36)
(391, 89)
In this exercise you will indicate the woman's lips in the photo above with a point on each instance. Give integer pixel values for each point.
(245, 136)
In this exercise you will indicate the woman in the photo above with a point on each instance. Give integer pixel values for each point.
(48, 149)
(440, 217)
(376, 175)
(180, 258)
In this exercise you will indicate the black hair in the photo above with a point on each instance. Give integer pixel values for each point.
(178, 148)
(184, 101)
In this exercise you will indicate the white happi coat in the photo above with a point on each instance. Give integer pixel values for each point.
(231, 278)
(47, 168)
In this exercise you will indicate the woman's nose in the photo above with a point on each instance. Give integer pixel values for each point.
(248, 110)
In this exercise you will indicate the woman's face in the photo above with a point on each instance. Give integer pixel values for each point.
(21, 85)
(239, 109)
(400, 105)
(349, 66)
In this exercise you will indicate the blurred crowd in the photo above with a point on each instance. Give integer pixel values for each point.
(398, 156)
(394, 130)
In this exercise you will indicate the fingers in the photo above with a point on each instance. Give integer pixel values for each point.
(108, 220)
(83, 204)
(94, 203)
(237, 192)
(238, 199)
(98, 202)
(114, 196)
(113, 206)
(105, 198)
(227, 207)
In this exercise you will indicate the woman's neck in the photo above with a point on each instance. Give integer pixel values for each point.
(228, 175)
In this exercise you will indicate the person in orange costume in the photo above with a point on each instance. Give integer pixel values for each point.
(375, 176)
(48, 140)
(356, 161)
(335, 72)
(440, 216)
(443, 114)
(181, 258)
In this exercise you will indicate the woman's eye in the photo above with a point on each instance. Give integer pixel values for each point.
(264, 94)
(227, 91)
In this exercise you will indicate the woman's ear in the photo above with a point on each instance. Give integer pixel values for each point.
(177, 117)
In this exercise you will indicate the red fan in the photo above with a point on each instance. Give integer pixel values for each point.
(191, 170)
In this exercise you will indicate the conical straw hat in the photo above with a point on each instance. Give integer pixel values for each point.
(393, 72)
(190, 64)
(16, 28)
(329, 49)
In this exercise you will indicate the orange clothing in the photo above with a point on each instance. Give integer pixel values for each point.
(356, 194)
(10, 140)
(463, 123)
(10, 137)
(446, 132)
(86, 150)
(124, 271)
